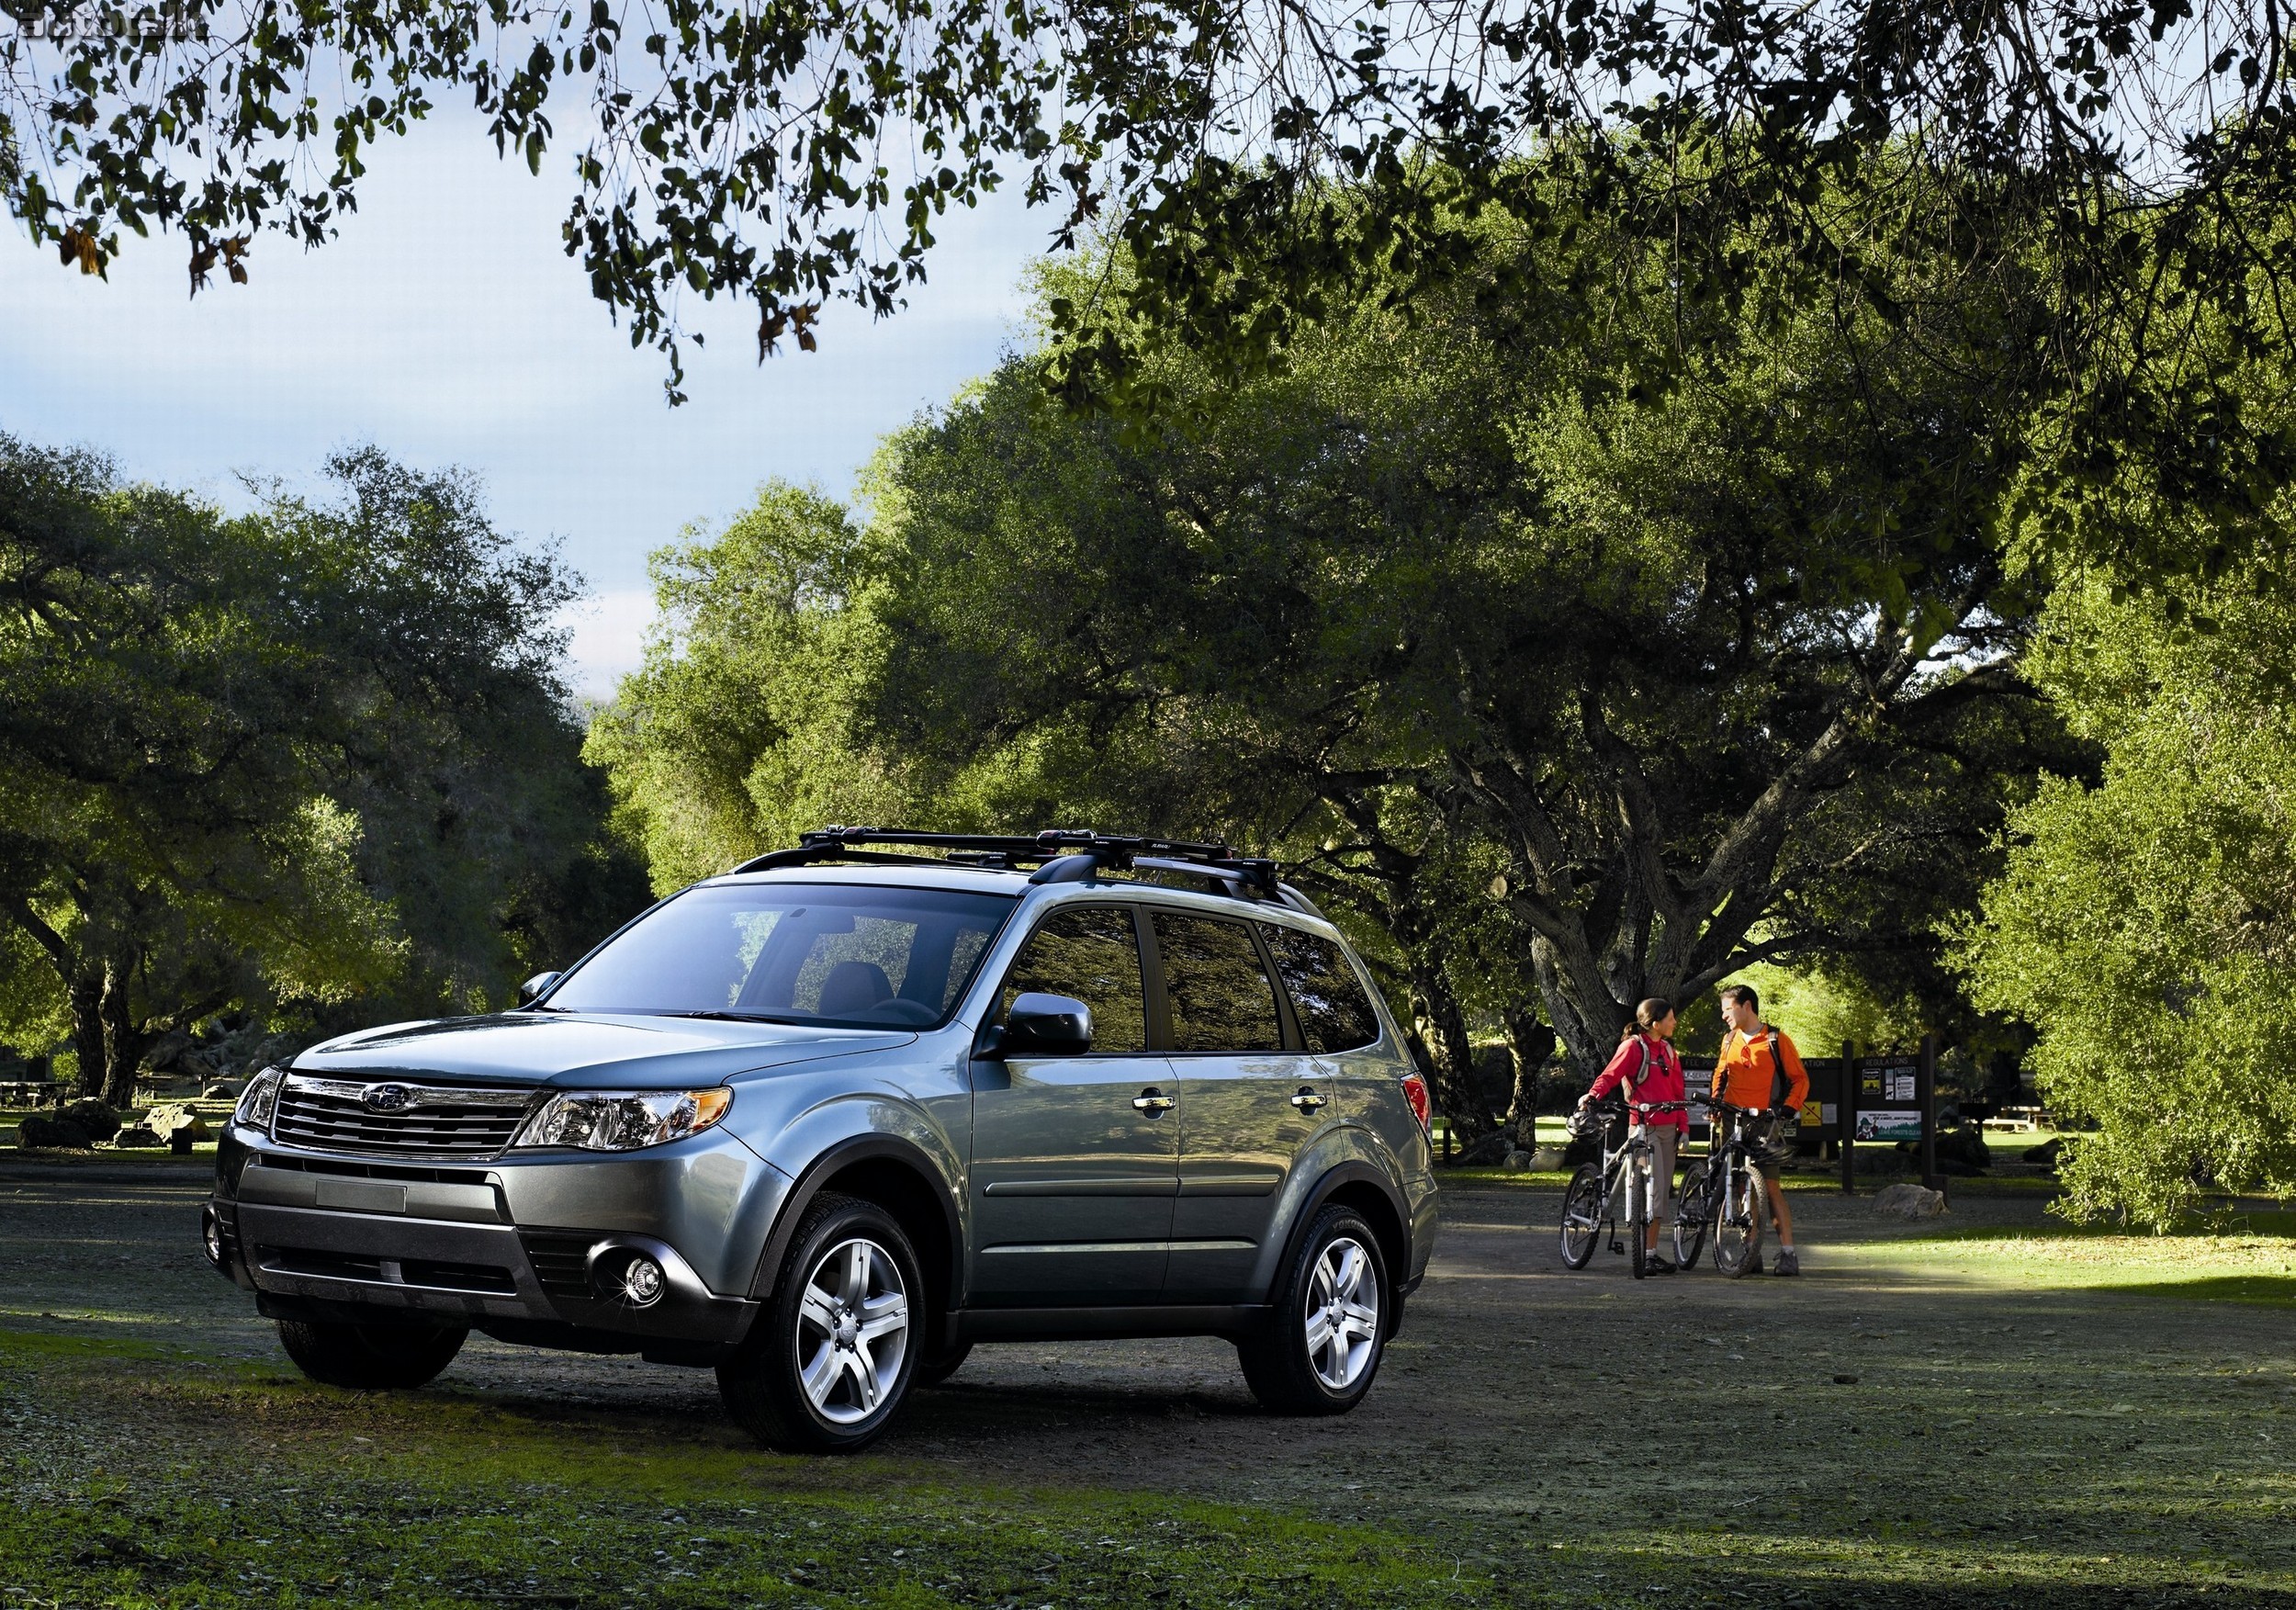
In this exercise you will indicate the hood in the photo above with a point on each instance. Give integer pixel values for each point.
(583, 1052)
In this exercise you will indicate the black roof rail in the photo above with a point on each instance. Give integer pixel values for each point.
(1060, 855)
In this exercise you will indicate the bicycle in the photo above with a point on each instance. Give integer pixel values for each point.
(1723, 1192)
(1586, 1202)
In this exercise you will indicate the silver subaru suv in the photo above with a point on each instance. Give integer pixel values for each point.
(827, 1122)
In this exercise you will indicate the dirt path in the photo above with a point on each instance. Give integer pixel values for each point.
(1883, 1400)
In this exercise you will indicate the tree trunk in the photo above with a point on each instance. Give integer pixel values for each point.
(1442, 1028)
(88, 1032)
(124, 1041)
(1587, 1021)
(1529, 1043)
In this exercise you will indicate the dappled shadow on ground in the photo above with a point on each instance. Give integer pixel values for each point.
(1878, 1431)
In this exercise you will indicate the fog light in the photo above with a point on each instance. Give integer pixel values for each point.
(641, 1281)
(211, 1235)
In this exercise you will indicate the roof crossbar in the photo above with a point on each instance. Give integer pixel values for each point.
(1060, 855)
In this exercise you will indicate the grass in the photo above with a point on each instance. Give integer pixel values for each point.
(2255, 1265)
(137, 1474)
(182, 1480)
(168, 1478)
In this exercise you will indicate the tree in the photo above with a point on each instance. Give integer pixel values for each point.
(735, 733)
(1671, 662)
(2143, 922)
(1262, 165)
(1540, 682)
(273, 759)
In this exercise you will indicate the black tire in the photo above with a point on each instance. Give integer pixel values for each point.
(371, 1358)
(1692, 1212)
(943, 1368)
(810, 1376)
(1288, 1369)
(1581, 1216)
(1739, 1210)
(1637, 1209)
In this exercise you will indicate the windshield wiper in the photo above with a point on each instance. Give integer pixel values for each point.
(726, 1017)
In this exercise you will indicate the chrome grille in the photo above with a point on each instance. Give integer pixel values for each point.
(333, 1115)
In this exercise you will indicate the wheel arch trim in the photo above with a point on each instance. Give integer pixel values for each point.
(835, 1160)
(1395, 1234)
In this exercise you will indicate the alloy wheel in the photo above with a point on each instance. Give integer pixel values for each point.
(1343, 1314)
(852, 1331)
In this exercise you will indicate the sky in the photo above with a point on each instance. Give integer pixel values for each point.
(446, 326)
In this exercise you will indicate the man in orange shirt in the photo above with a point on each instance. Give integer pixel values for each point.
(1760, 1068)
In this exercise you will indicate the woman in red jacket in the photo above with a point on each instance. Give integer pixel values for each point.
(1649, 1069)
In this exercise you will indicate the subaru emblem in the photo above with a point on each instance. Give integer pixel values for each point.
(386, 1097)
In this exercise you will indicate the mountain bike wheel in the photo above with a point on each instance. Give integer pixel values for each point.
(1637, 1207)
(1581, 1216)
(1739, 1212)
(1692, 1212)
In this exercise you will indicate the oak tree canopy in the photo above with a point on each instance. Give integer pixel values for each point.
(1260, 161)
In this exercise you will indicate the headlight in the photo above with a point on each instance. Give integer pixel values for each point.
(260, 1099)
(621, 1121)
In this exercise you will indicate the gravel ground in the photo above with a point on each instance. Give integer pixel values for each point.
(1892, 1405)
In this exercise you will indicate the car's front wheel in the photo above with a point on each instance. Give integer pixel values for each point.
(370, 1357)
(826, 1367)
(1329, 1324)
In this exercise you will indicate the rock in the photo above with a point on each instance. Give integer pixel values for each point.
(138, 1137)
(1964, 1145)
(2048, 1155)
(99, 1122)
(40, 1130)
(1546, 1159)
(1910, 1202)
(170, 1121)
(221, 1090)
(1517, 1161)
(1485, 1153)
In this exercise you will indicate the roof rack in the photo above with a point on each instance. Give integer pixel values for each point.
(1060, 855)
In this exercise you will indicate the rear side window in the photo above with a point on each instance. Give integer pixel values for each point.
(1087, 953)
(1334, 1014)
(1220, 994)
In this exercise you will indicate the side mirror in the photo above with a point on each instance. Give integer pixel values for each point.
(533, 988)
(1040, 1025)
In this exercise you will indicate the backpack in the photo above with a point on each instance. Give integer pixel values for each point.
(1780, 1086)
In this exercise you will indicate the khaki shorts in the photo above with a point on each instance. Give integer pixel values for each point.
(1660, 1200)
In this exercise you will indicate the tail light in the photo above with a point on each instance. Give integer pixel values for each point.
(1416, 1092)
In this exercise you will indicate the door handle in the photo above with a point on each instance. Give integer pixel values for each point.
(1152, 1101)
(1308, 1101)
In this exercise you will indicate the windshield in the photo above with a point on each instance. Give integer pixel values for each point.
(849, 955)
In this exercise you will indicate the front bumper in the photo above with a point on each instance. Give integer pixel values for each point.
(534, 1247)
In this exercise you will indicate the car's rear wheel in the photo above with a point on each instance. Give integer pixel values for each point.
(370, 1357)
(826, 1367)
(1331, 1322)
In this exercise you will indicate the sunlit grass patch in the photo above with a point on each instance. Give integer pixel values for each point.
(2197, 1264)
